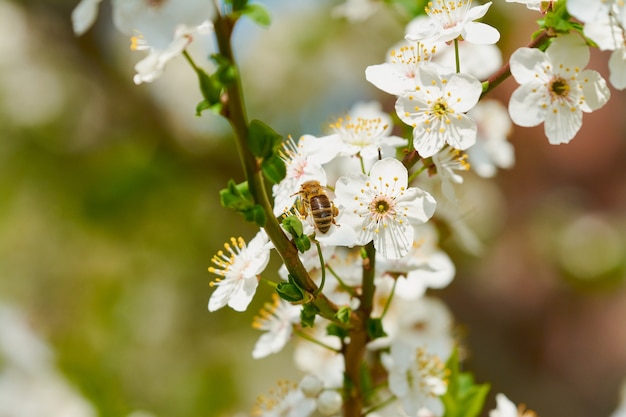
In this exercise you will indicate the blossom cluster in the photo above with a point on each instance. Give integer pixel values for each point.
(365, 183)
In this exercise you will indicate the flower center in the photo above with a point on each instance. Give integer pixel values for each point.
(381, 207)
(559, 87)
(448, 12)
(440, 108)
(360, 132)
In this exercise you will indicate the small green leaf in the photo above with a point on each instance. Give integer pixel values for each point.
(343, 314)
(334, 329)
(463, 398)
(258, 14)
(303, 243)
(255, 214)
(238, 198)
(307, 315)
(375, 328)
(262, 139)
(289, 292)
(293, 226)
(274, 168)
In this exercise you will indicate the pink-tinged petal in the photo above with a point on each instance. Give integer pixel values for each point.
(562, 124)
(480, 33)
(526, 105)
(595, 90)
(617, 67)
(390, 171)
(568, 51)
(387, 78)
(477, 12)
(526, 63)
(464, 90)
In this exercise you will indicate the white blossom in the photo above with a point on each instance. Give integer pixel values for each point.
(382, 208)
(554, 89)
(451, 19)
(277, 320)
(239, 268)
(435, 109)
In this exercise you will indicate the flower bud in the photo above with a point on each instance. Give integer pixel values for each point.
(311, 386)
(329, 402)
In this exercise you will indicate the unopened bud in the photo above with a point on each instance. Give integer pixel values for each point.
(329, 402)
(311, 386)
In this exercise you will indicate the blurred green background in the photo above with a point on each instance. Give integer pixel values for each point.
(109, 216)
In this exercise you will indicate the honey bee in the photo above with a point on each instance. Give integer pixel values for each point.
(315, 202)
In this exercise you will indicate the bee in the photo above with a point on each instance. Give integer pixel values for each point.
(315, 202)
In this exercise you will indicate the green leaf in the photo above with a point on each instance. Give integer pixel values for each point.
(293, 226)
(464, 398)
(303, 243)
(343, 315)
(375, 328)
(334, 329)
(262, 139)
(255, 214)
(258, 14)
(307, 315)
(274, 168)
(289, 292)
(238, 198)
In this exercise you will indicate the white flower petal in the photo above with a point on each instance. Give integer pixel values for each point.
(480, 33)
(595, 90)
(562, 124)
(525, 105)
(526, 63)
(568, 51)
(617, 67)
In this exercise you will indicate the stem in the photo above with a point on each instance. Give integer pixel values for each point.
(456, 55)
(416, 173)
(354, 351)
(505, 71)
(314, 340)
(388, 303)
(235, 112)
(322, 267)
(346, 287)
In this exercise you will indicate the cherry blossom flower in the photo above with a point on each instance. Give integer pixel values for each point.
(451, 19)
(492, 150)
(286, 400)
(506, 408)
(553, 88)
(425, 266)
(435, 109)
(304, 162)
(418, 380)
(398, 73)
(151, 67)
(605, 24)
(239, 269)
(382, 208)
(277, 319)
(531, 4)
